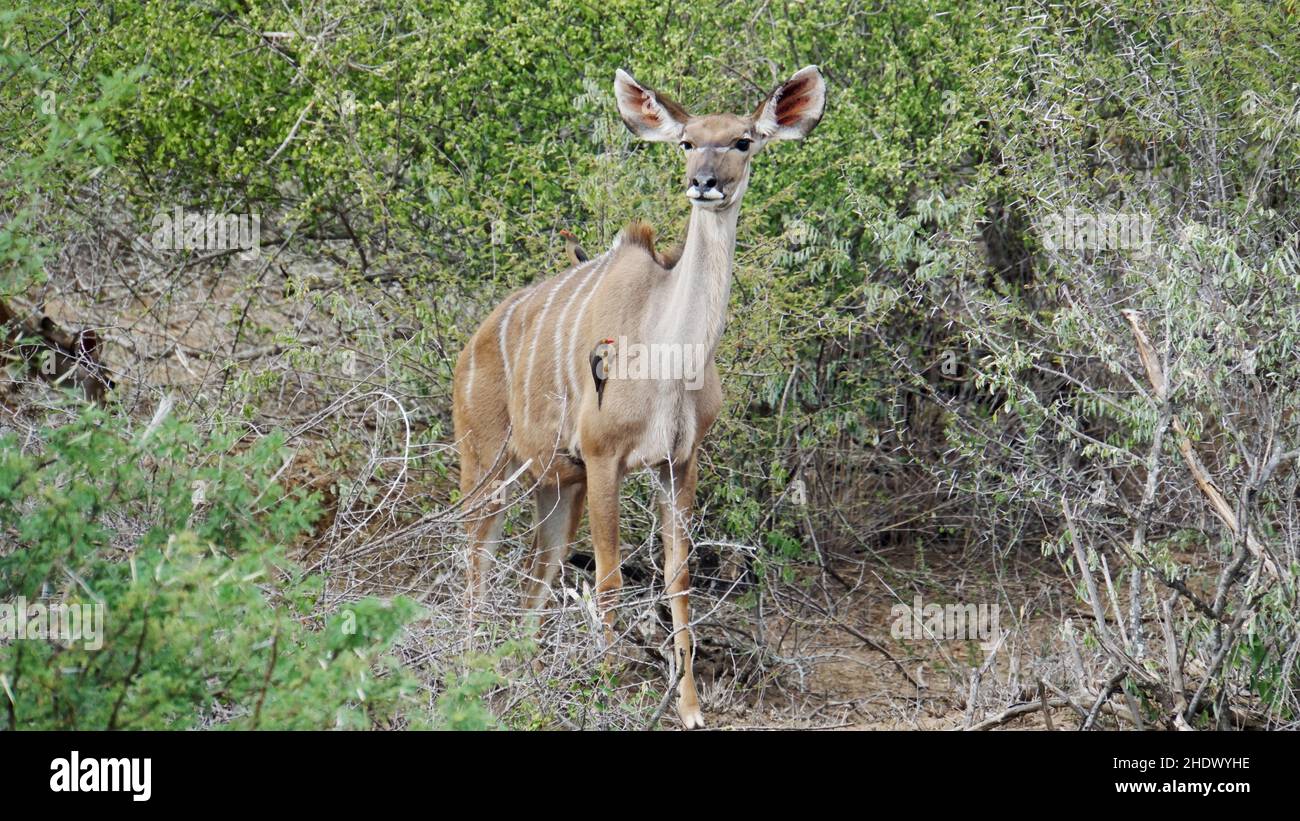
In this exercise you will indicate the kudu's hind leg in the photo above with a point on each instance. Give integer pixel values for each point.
(484, 538)
(485, 512)
(677, 486)
(559, 509)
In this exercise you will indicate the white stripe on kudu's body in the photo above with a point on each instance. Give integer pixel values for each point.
(571, 379)
(469, 375)
(541, 328)
(575, 447)
(505, 329)
(563, 383)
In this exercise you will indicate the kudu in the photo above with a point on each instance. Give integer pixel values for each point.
(524, 396)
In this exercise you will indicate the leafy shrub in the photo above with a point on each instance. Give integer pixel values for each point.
(205, 620)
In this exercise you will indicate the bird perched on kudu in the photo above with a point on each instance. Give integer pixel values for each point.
(577, 254)
(600, 367)
(571, 247)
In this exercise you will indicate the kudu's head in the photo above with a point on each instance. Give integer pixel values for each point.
(719, 147)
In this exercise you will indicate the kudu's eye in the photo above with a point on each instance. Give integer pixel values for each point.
(742, 145)
(687, 145)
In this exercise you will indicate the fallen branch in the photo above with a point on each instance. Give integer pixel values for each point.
(1012, 713)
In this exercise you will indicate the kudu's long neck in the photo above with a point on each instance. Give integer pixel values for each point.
(695, 311)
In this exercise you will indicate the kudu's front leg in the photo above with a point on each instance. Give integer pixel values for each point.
(604, 476)
(678, 488)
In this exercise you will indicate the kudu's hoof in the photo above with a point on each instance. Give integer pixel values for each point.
(692, 718)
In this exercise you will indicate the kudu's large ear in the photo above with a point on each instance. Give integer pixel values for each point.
(647, 113)
(794, 109)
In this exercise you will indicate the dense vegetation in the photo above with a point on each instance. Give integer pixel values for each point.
(912, 364)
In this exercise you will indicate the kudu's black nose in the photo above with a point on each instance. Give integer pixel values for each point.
(704, 182)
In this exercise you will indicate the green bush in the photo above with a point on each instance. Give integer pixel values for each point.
(205, 620)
